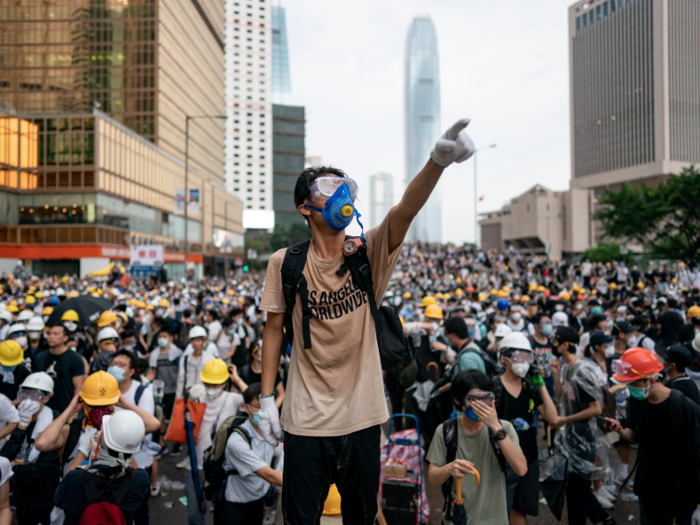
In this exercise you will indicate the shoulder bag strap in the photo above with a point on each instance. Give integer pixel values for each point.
(292, 268)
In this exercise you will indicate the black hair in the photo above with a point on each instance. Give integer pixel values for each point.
(672, 303)
(566, 334)
(537, 318)
(133, 362)
(456, 325)
(159, 321)
(465, 381)
(167, 330)
(126, 334)
(302, 189)
(186, 313)
(594, 320)
(227, 321)
(214, 313)
(252, 392)
(65, 330)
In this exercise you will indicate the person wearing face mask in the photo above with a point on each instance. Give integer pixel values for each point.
(461, 339)
(12, 368)
(35, 336)
(123, 368)
(227, 339)
(475, 432)
(577, 386)
(517, 397)
(164, 362)
(623, 332)
(515, 320)
(253, 466)
(666, 425)
(107, 340)
(18, 333)
(252, 373)
(542, 347)
(220, 406)
(675, 360)
(600, 350)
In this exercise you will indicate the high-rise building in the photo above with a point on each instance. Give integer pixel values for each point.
(105, 87)
(281, 83)
(381, 198)
(634, 95)
(249, 108)
(289, 130)
(422, 120)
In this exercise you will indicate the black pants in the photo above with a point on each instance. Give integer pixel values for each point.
(313, 464)
(142, 517)
(660, 515)
(251, 513)
(33, 517)
(581, 502)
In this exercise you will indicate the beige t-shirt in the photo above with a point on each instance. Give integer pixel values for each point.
(335, 387)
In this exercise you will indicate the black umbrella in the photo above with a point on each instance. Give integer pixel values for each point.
(459, 513)
(87, 307)
(554, 475)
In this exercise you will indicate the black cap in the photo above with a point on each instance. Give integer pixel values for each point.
(600, 338)
(677, 354)
(622, 327)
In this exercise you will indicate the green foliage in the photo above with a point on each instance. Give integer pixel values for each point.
(604, 252)
(283, 237)
(665, 220)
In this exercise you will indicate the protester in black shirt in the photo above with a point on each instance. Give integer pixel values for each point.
(671, 324)
(667, 427)
(676, 359)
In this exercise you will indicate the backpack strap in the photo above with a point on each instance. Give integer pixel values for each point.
(499, 395)
(139, 393)
(292, 268)
(450, 437)
(358, 264)
(123, 491)
(246, 437)
(676, 406)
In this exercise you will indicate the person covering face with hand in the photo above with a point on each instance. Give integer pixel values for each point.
(322, 406)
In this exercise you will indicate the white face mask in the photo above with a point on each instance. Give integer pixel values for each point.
(162, 343)
(22, 341)
(70, 325)
(610, 350)
(559, 308)
(213, 393)
(520, 369)
(34, 335)
(516, 317)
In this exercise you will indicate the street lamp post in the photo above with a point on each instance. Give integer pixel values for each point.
(187, 167)
(476, 217)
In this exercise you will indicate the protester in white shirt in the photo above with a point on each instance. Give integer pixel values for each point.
(192, 364)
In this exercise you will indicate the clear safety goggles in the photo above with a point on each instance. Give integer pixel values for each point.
(624, 368)
(484, 397)
(325, 187)
(34, 395)
(522, 357)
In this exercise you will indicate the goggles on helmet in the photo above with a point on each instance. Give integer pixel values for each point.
(15, 335)
(30, 393)
(484, 397)
(324, 187)
(522, 357)
(623, 368)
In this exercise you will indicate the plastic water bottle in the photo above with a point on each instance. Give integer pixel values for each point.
(152, 447)
(521, 425)
(23, 454)
(622, 396)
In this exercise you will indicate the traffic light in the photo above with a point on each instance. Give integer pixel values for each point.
(245, 268)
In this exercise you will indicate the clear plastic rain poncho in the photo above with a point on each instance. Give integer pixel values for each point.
(579, 441)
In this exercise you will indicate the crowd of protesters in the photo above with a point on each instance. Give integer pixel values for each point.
(603, 357)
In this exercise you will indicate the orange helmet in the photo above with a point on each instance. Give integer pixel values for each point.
(635, 364)
(470, 289)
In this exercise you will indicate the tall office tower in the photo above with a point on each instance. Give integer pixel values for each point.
(422, 120)
(281, 84)
(145, 63)
(381, 197)
(249, 108)
(634, 90)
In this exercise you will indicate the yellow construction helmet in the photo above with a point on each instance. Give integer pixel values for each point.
(575, 288)
(407, 295)
(163, 303)
(613, 286)
(532, 286)
(524, 299)
(11, 354)
(482, 296)
(639, 285)
(106, 318)
(427, 301)
(140, 304)
(565, 296)
(215, 372)
(100, 389)
(502, 294)
(70, 315)
(12, 308)
(332, 505)
(39, 295)
(493, 291)
(47, 310)
(541, 288)
(693, 311)
(132, 301)
(459, 291)
(459, 280)
(439, 296)
(506, 289)
(230, 291)
(150, 307)
(433, 311)
(29, 299)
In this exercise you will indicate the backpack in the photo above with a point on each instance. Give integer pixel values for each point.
(213, 459)
(393, 348)
(492, 367)
(100, 511)
(450, 434)
(609, 409)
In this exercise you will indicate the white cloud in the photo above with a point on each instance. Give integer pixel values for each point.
(504, 64)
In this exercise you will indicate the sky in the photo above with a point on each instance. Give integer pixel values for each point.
(504, 64)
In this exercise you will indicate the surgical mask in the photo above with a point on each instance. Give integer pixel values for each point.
(548, 329)
(142, 311)
(520, 369)
(213, 393)
(471, 331)
(516, 317)
(160, 311)
(117, 372)
(34, 335)
(231, 330)
(256, 419)
(22, 341)
(639, 393)
(610, 350)
(559, 308)
(596, 310)
(129, 345)
(163, 343)
(339, 210)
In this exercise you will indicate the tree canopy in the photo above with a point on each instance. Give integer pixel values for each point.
(665, 220)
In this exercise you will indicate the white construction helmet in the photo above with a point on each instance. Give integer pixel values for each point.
(107, 333)
(17, 327)
(515, 341)
(36, 324)
(503, 330)
(560, 319)
(6, 316)
(25, 315)
(197, 331)
(38, 381)
(123, 431)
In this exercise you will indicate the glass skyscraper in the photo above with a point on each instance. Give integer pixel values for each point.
(423, 120)
(281, 85)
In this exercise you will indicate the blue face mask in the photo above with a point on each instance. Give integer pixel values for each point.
(471, 331)
(469, 412)
(8, 368)
(339, 210)
(256, 419)
(547, 329)
(117, 372)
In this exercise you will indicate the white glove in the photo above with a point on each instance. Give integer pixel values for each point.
(27, 409)
(696, 517)
(196, 392)
(454, 146)
(270, 421)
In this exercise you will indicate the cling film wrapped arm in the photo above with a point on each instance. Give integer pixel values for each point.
(580, 441)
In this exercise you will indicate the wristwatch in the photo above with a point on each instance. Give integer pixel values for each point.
(500, 435)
